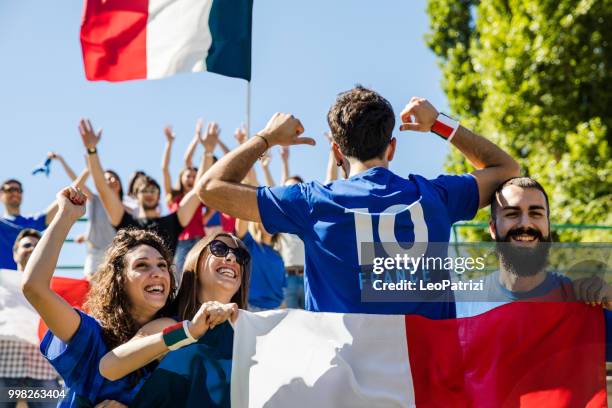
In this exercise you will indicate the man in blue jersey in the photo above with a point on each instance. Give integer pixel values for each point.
(12, 222)
(371, 205)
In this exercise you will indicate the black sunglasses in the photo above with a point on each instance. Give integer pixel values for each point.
(220, 249)
(12, 190)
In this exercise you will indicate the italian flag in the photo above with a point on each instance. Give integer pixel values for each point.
(523, 354)
(149, 39)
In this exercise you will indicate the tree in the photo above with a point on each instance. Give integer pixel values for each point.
(535, 76)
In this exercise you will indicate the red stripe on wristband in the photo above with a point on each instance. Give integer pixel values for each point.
(445, 126)
(441, 129)
(173, 327)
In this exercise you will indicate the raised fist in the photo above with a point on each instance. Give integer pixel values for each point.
(71, 202)
(418, 115)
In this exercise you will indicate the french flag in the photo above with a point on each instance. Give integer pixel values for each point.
(150, 39)
(523, 354)
(18, 319)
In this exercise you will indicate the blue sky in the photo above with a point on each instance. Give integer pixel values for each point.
(304, 53)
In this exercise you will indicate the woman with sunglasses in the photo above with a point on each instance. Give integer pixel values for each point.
(214, 286)
(131, 288)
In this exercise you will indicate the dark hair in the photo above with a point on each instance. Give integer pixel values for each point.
(361, 122)
(115, 175)
(296, 178)
(12, 181)
(145, 181)
(26, 232)
(108, 301)
(522, 182)
(131, 184)
(186, 303)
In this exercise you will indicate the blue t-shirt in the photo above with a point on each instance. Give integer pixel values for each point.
(373, 206)
(267, 275)
(77, 362)
(214, 220)
(494, 294)
(197, 375)
(10, 226)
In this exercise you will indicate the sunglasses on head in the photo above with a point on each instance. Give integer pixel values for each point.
(220, 249)
(12, 190)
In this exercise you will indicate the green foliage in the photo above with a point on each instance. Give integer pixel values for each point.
(535, 77)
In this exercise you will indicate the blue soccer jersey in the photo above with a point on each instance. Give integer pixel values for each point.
(374, 206)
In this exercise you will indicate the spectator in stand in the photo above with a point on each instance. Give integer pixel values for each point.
(100, 232)
(168, 227)
(217, 221)
(333, 220)
(290, 246)
(21, 364)
(11, 196)
(130, 201)
(132, 287)
(268, 279)
(194, 231)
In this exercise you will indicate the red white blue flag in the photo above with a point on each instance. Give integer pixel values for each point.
(523, 354)
(150, 39)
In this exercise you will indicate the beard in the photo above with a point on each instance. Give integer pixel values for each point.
(523, 261)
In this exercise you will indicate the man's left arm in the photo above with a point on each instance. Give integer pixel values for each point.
(493, 165)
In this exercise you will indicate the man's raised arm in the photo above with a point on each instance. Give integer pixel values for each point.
(493, 165)
(221, 187)
(111, 202)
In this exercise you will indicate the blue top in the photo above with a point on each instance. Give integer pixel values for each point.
(494, 294)
(267, 275)
(77, 362)
(373, 206)
(214, 220)
(10, 226)
(197, 375)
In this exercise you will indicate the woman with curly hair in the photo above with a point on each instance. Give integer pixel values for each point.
(215, 284)
(133, 286)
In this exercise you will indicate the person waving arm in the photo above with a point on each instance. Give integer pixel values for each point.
(57, 314)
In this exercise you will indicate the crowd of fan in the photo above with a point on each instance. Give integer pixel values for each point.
(161, 282)
(277, 266)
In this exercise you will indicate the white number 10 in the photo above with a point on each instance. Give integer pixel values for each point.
(364, 231)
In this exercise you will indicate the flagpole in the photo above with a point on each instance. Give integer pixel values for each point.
(248, 109)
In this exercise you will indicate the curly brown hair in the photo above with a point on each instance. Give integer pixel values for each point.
(186, 304)
(108, 301)
(361, 122)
